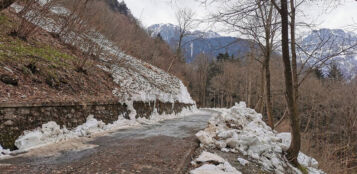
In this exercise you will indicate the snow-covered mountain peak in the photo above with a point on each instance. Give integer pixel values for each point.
(326, 46)
(197, 42)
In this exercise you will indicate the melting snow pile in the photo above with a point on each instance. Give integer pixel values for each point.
(242, 129)
(4, 152)
(213, 164)
(51, 132)
(141, 81)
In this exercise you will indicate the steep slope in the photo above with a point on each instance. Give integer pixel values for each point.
(198, 42)
(58, 63)
(43, 69)
(325, 43)
(138, 81)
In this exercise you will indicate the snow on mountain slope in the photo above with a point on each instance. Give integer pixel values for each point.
(171, 31)
(324, 43)
(242, 129)
(198, 42)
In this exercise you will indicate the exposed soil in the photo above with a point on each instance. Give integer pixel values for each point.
(46, 69)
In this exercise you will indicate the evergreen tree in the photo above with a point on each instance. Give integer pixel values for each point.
(226, 55)
(335, 73)
(123, 8)
(223, 57)
(318, 73)
(159, 37)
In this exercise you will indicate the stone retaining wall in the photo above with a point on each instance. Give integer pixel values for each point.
(17, 118)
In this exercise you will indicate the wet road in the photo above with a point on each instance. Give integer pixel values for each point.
(162, 148)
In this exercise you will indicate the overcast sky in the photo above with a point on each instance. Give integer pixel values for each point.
(163, 11)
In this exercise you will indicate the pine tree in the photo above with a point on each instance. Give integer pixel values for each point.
(335, 73)
(159, 37)
(123, 8)
(226, 56)
(318, 73)
(223, 57)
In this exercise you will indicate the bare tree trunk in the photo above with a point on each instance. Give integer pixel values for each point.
(268, 102)
(204, 96)
(249, 92)
(171, 63)
(222, 102)
(295, 144)
(179, 49)
(260, 104)
(293, 50)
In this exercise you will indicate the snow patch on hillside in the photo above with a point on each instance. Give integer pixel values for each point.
(242, 129)
(139, 81)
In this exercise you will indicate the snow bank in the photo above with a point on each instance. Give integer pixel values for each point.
(242, 129)
(207, 157)
(209, 160)
(242, 161)
(302, 158)
(4, 152)
(51, 132)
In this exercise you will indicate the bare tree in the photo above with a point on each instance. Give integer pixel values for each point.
(257, 20)
(185, 21)
(33, 13)
(294, 149)
(201, 71)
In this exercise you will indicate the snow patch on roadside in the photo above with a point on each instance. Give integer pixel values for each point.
(51, 132)
(243, 162)
(4, 152)
(242, 129)
(207, 158)
(302, 158)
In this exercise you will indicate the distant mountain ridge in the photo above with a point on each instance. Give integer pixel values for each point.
(211, 43)
(329, 42)
(197, 42)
